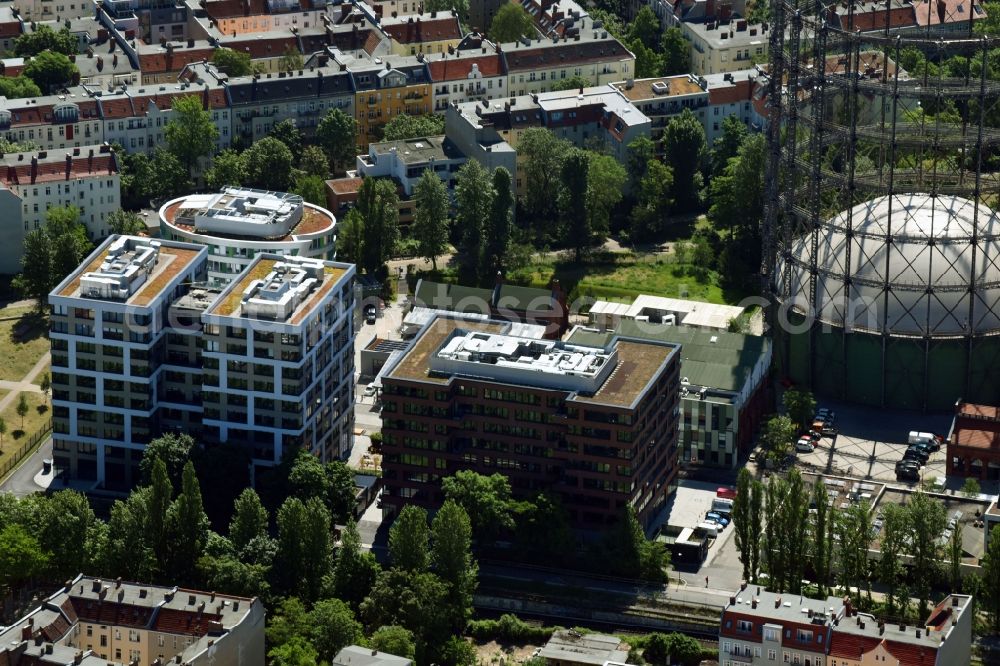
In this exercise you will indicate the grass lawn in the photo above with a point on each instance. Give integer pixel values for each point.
(23, 340)
(624, 276)
(36, 419)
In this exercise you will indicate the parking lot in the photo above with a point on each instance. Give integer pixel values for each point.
(870, 442)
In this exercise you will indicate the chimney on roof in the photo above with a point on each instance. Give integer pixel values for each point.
(26, 632)
(954, 601)
(753, 602)
(78, 657)
(881, 628)
(777, 602)
(69, 165)
(34, 174)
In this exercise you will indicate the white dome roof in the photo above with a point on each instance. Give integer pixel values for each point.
(904, 263)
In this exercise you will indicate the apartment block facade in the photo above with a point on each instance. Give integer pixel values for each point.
(596, 426)
(141, 346)
(279, 359)
(760, 628)
(31, 183)
(107, 330)
(95, 622)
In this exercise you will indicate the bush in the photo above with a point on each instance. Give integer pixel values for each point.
(508, 629)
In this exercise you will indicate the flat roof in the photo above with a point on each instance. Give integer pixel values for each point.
(418, 150)
(181, 213)
(648, 89)
(229, 303)
(415, 364)
(173, 259)
(638, 361)
(574, 647)
(713, 359)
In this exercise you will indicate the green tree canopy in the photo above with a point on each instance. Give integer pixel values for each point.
(378, 204)
(430, 220)
(355, 570)
(229, 168)
(460, 7)
(405, 126)
(473, 200)
(800, 405)
(190, 134)
(125, 222)
(296, 652)
(174, 449)
(684, 148)
(21, 557)
(312, 189)
(234, 63)
(409, 537)
(486, 500)
(606, 180)
(50, 69)
(44, 38)
(287, 133)
(337, 134)
(186, 527)
(653, 202)
(350, 237)
(676, 52)
(333, 628)
(573, 200)
(572, 83)
(394, 640)
(511, 23)
(498, 234)
(313, 162)
(268, 164)
(249, 519)
(645, 27)
(18, 86)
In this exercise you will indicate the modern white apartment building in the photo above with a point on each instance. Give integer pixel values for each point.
(107, 332)
(31, 183)
(279, 359)
(238, 223)
(141, 345)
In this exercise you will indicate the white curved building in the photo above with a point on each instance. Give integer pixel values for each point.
(238, 223)
(903, 295)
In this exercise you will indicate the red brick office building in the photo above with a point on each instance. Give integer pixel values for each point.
(974, 443)
(596, 426)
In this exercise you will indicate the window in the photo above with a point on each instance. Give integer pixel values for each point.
(744, 625)
(804, 635)
(771, 655)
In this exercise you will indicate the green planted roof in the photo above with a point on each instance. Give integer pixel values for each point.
(724, 364)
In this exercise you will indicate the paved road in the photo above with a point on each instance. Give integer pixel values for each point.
(20, 482)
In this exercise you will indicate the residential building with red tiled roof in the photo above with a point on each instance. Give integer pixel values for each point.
(467, 76)
(432, 32)
(32, 182)
(94, 622)
(759, 627)
(161, 63)
(10, 28)
(62, 121)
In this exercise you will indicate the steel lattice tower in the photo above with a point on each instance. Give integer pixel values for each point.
(881, 255)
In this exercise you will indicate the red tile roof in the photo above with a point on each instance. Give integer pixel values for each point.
(10, 29)
(115, 108)
(54, 170)
(852, 646)
(565, 54)
(738, 91)
(943, 12)
(911, 655)
(258, 48)
(174, 621)
(457, 69)
(876, 19)
(172, 61)
(110, 612)
(425, 30)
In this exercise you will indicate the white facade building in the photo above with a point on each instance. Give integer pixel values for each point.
(31, 183)
(238, 223)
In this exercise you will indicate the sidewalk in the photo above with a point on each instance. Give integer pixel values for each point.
(26, 383)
